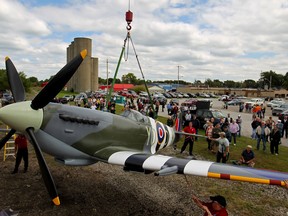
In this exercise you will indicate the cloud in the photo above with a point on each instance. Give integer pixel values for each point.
(235, 39)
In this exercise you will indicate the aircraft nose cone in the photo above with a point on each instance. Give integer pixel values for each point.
(21, 116)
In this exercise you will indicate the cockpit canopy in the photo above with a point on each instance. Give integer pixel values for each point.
(135, 116)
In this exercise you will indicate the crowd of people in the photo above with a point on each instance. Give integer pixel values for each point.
(268, 130)
(224, 132)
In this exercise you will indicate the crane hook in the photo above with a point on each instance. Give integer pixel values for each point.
(129, 19)
(128, 27)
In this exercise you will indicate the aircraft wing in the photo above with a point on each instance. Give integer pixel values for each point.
(164, 165)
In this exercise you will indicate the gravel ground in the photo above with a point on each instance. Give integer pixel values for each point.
(103, 189)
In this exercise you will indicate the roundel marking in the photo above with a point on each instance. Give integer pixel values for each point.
(160, 133)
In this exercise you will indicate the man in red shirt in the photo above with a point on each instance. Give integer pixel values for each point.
(21, 151)
(217, 206)
(189, 139)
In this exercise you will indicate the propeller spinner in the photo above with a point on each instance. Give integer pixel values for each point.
(26, 116)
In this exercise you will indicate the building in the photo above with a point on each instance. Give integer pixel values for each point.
(117, 87)
(86, 77)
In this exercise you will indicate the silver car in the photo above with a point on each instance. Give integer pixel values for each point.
(277, 110)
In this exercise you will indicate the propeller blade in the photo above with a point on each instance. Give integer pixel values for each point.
(14, 80)
(6, 138)
(58, 82)
(46, 175)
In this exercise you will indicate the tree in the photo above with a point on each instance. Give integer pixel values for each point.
(285, 81)
(129, 78)
(218, 83)
(33, 80)
(229, 84)
(197, 83)
(209, 83)
(272, 79)
(4, 85)
(249, 84)
(3, 80)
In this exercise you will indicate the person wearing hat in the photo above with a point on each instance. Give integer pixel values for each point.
(247, 157)
(223, 148)
(217, 205)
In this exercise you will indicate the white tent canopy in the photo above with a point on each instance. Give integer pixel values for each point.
(156, 89)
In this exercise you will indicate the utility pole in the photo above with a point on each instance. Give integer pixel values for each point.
(107, 75)
(178, 66)
(270, 82)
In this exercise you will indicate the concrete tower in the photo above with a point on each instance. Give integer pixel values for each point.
(86, 77)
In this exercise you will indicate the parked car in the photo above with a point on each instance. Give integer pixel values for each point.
(179, 95)
(224, 98)
(63, 100)
(7, 99)
(275, 102)
(125, 94)
(277, 110)
(69, 97)
(212, 95)
(204, 95)
(204, 115)
(167, 95)
(284, 113)
(192, 95)
(161, 99)
(207, 100)
(235, 102)
(173, 95)
(174, 101)
(133, 93)
(79, 98)
(143, 94)
(189, 104)
(185, 95)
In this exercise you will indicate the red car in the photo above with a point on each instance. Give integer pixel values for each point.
(125, 94)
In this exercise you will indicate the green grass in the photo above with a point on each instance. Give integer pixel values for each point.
(63, 93)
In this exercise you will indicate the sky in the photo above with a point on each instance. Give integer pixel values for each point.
(197, 39)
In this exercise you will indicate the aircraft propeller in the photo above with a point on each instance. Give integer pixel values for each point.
(41, 100)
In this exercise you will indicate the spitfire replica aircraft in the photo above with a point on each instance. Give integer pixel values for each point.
(80, 136)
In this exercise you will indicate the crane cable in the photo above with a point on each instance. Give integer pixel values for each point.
(129, 19)
(145, 84)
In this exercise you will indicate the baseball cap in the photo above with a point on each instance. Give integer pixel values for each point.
(249, 146)
(220, 199)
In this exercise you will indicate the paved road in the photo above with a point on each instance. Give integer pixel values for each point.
(233, 110)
